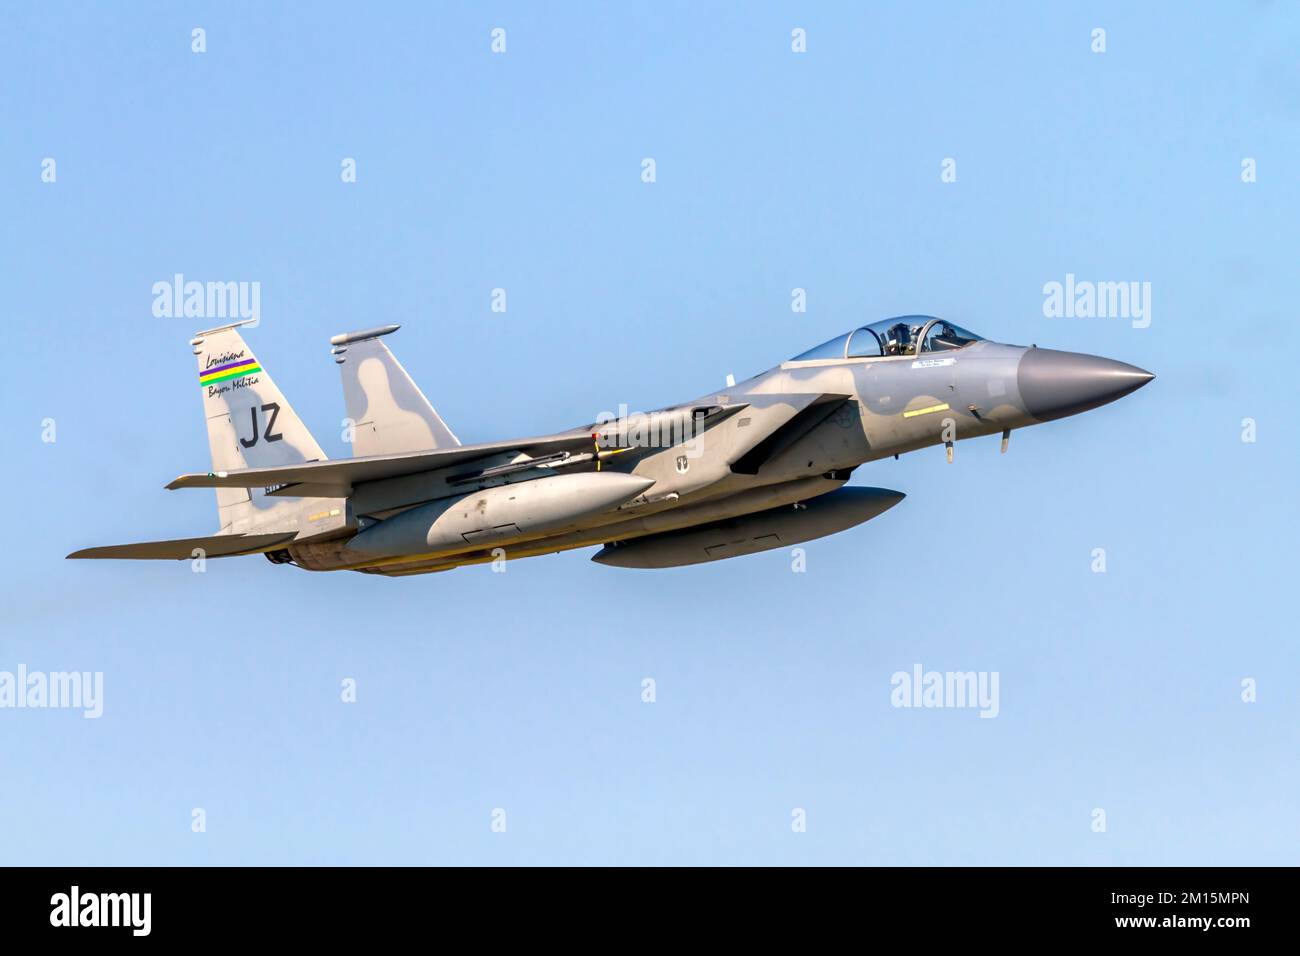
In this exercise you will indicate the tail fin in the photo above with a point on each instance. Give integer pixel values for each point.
(250, 425)
(389, 413)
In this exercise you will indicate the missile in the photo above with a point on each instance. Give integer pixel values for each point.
(752, 533)
(489, 515)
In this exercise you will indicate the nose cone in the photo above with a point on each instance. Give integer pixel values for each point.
(1056, 384)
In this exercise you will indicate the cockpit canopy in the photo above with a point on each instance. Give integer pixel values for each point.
(901, 335)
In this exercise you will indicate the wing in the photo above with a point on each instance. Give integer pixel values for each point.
(338, 478)
(340, 475)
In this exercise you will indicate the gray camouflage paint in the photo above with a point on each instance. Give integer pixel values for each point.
(783, 438)
(387, 410)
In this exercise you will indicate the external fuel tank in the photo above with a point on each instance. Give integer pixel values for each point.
(492, 515)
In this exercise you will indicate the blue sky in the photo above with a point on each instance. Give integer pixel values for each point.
(774, 170)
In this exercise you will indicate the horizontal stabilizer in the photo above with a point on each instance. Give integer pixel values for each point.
(182, 549)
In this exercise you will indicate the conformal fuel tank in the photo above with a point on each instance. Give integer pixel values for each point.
(497, 514)
(752, 533)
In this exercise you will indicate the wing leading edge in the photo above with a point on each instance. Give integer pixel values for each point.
(337, 478)
(340, 475)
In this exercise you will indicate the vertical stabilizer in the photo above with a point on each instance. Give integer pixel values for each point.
(250, 425)
(388, 412)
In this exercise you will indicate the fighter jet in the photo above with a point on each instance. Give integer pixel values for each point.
(758, 465)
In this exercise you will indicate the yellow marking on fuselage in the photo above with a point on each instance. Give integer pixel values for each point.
(941, 407)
